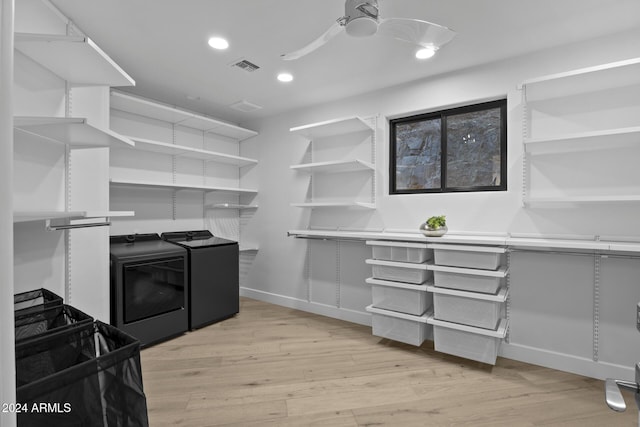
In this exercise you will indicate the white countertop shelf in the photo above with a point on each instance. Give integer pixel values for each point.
(75, 132)
(524, 241)
(332, 128)
(360, 205)
(26, 216)
(152, 109)
(206, 188)
(400, 236)
(599, 77)
(601, 139)
(582, 199)
(76, 59)
(189, 152)
(335, 166)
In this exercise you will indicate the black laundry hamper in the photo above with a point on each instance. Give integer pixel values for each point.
(52, 319)
(35, 300)
(88, 375)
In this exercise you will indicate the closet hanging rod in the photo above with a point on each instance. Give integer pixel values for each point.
(53, 227)
(349, 239)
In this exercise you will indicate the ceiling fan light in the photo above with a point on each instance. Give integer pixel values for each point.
(361, 26)
(425, 53)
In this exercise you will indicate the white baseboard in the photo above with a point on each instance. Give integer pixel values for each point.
(566, 362)
(361, 318)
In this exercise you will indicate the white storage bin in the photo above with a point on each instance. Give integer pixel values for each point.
(467, 279)
(400, 251)
(468, 308)
(482, 257)
(401, 297)
(399, 271)
(399, 326)
(465, 341)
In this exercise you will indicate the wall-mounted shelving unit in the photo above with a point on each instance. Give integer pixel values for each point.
(586, 112)
(190, 153)
(74, 132)
(147, 108)
(363, 162)
(27, 216)
(75, 59)
(205, 188)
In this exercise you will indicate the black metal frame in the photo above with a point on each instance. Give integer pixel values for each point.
(442, 115)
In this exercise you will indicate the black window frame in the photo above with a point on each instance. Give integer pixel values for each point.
(442, 115)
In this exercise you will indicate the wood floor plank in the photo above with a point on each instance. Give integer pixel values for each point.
(276, 366)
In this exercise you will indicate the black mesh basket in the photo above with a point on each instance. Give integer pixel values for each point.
(34, 301)
(89, 375)
(32, 324)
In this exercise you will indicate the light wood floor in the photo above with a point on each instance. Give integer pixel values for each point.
(274, 366)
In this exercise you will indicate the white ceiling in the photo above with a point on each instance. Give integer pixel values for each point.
(162, 44)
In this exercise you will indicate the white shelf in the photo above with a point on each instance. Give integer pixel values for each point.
(600, 77)
(75, 132)
(76, 59)
(602, 139)
(152, 109)
(335, 166)
(581, 199)
(362, 205)
(206, 188)
(26, 216)
(191, 153)
(332, 128)
(248, 249)
(230, 206)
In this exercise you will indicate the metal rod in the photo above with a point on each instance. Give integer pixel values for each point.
(74, 226)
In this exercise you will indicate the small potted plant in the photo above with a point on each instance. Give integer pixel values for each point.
(435, 226)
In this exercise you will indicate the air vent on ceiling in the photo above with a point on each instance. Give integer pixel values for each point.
(244, 106)
(245, 65)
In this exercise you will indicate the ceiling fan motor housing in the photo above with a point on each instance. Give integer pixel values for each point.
(361, 17)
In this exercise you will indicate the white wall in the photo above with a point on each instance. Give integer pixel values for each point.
(7, 351)
(280, 271)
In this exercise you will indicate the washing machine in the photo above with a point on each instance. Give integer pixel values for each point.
(213, 275)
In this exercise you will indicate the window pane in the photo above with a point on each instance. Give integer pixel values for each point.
(418, 146)
(474, 149)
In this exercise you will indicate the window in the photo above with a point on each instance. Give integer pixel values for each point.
(461, 149)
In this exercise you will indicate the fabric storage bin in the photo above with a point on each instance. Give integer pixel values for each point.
(399, 271)
(35, 300)
(468, 308)
(400, 251)
(477, 344)
(91, 373)
(467, 279)
(32, 324)
(481, 257)
(400, 327)
(401, 297)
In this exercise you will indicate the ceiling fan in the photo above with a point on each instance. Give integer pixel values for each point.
(361, 19)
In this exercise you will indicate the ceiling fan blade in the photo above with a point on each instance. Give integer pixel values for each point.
(333, 31)
(415, 31)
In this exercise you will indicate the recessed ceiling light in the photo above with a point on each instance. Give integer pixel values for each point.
(426, 52)
(285, 77)
(218, 43)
